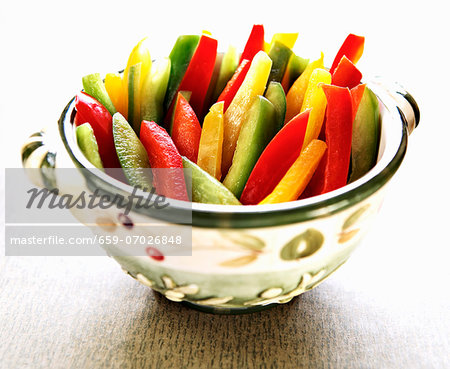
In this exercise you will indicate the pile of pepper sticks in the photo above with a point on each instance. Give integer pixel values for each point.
(258, 127)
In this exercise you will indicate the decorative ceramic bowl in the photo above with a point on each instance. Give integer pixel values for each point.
(246, 258)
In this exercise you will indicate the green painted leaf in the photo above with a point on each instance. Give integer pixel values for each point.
(303, 245)
(247, 241)
(240, 261)
(353, 219)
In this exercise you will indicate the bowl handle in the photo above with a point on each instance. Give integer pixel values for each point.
(38, 154)
(402, 99)
(48, 165)
(407, 107)
(44, 150)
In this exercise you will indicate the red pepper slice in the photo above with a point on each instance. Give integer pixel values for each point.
(162, 153)
(199, 72)
(346, 74)
(352, 48)
(91, 111)
(357, 94)
(254, 43)
(275, 160)
(333, 169)
(186, 129)
(234, 83)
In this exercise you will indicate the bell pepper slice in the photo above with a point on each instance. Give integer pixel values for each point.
(134, 98)
(88, 144)
(253, 85)
(333, 170)
(299, 174)
(161, 150)
(352, 48)
(357, 94)
(294, 69)
(162, 153)
(91, 111)
(230, 62)
(139, 54)
(212, 85)
(275, 94)
(255, 43)
(211, 139)
(365, 136)
(180, 57)
(154, 90)
(257, 130)
(207, 189)
(114, 87)
(186, 130)
(93, 85)
(346, 74)
(234, 84)
(131, 153)
(288, 39)
(316, 101)
(275, 160)
(199, 72)
(187, 96)
(280, 55)
(296, 94)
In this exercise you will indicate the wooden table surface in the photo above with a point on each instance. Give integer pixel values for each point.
(84, 313)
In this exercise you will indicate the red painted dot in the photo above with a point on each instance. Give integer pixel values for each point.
(155, 254)
(126, 221)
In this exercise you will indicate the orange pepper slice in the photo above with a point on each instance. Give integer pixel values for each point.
(296, 94)
(299, 174)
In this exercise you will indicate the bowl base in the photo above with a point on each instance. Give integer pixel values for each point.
(227, 310)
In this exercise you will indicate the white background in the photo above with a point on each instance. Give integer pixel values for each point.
(47, 46)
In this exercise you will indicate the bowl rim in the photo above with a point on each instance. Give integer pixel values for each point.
(257, 216)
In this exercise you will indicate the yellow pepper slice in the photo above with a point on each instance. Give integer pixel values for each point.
(113, 84)
(299, 174)
(139, 54)
(296, 94)
(253, 85)
(315, 100)
(287, 39)
(210, 148)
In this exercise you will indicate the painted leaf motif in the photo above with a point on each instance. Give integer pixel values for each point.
(347, 235)
(353, 219)
(246, 241)
(240, 261)
(106, 224)
(303, 245)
